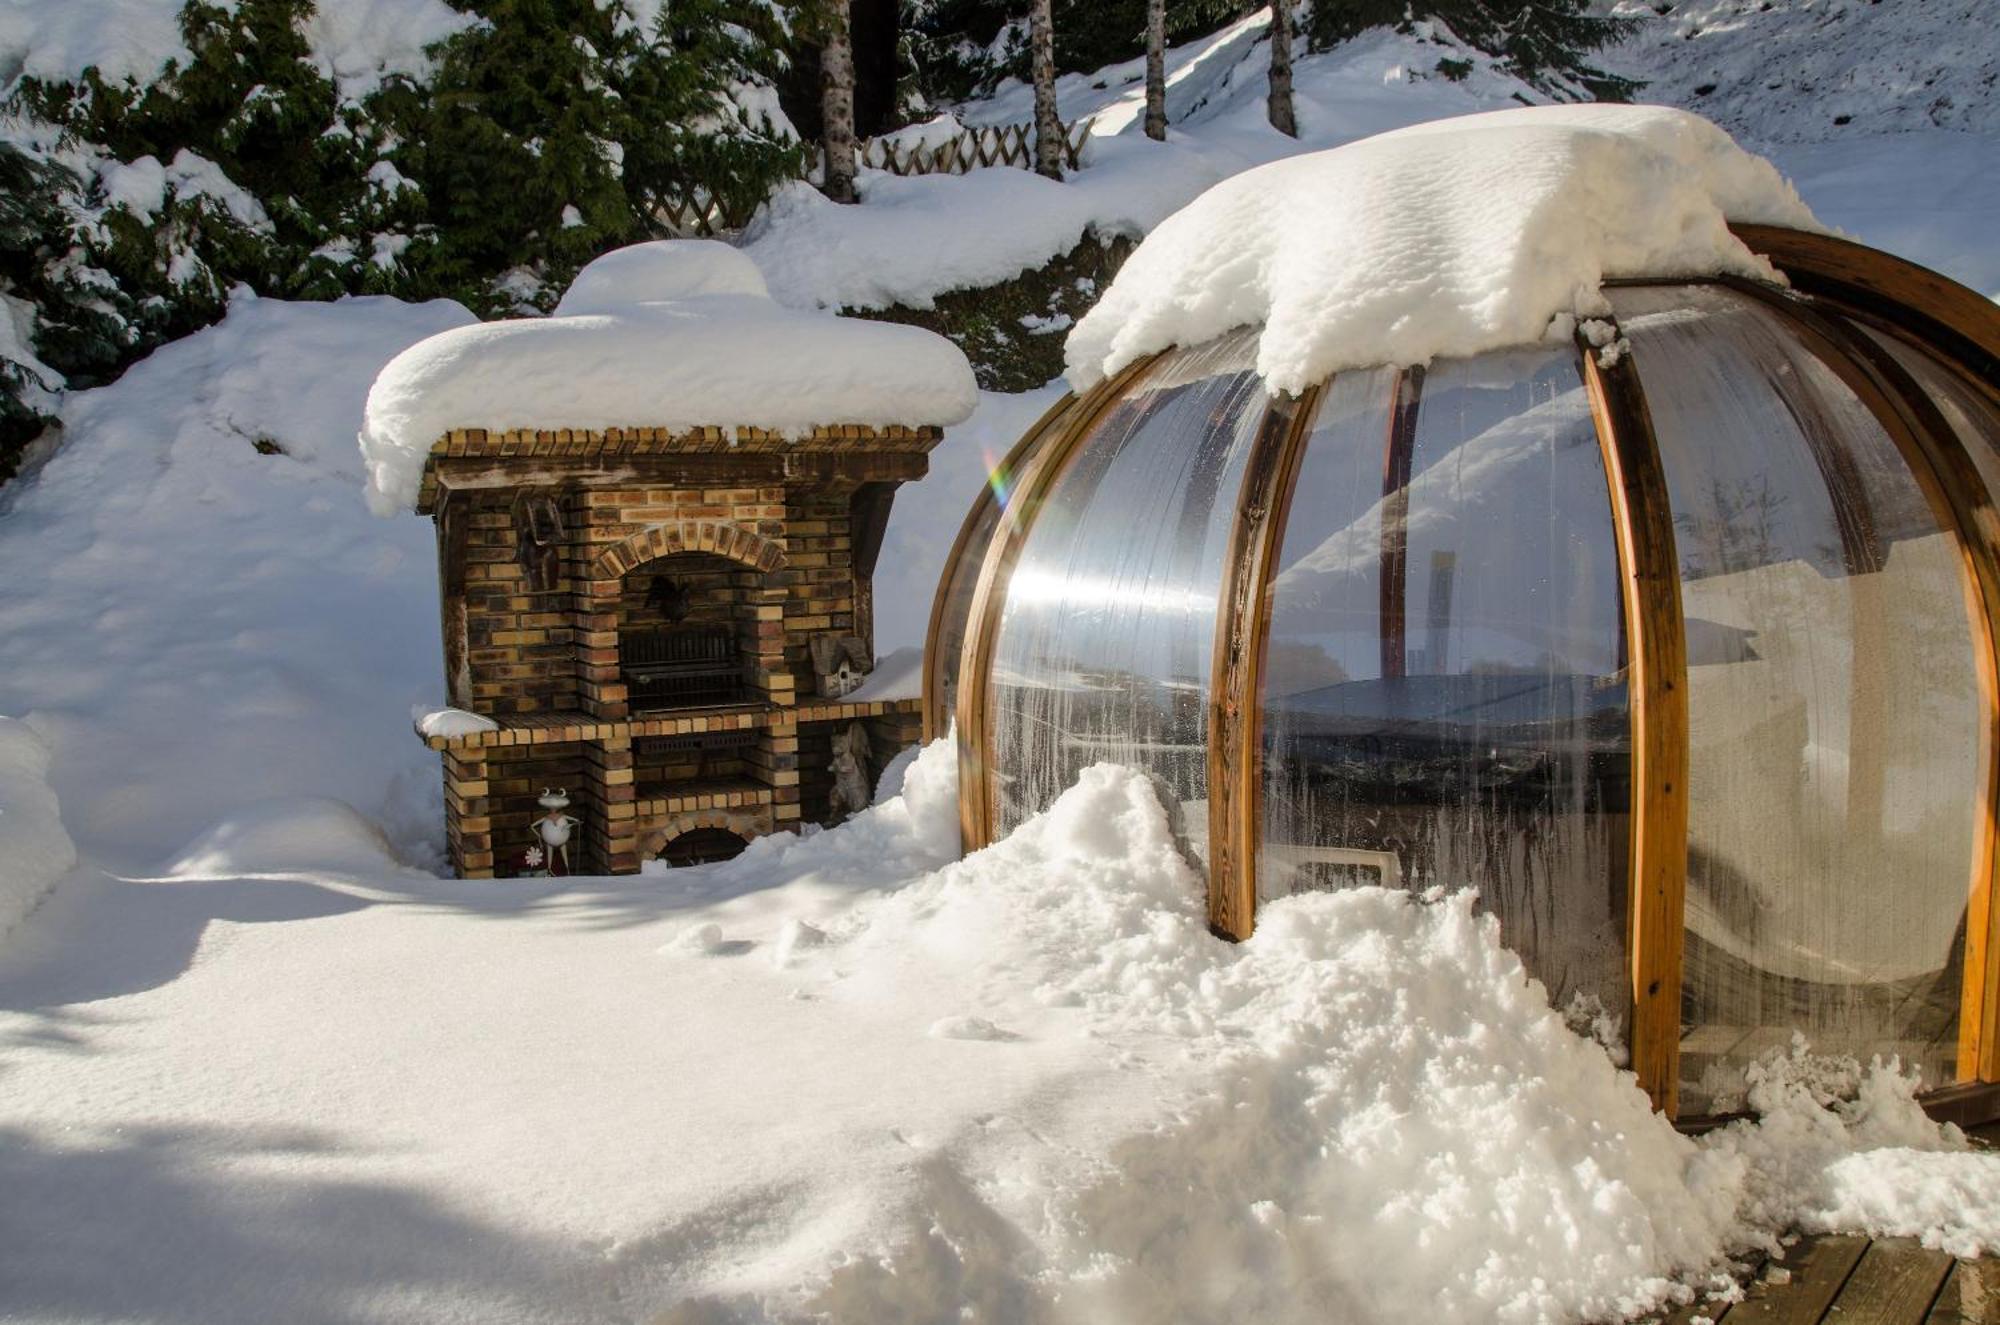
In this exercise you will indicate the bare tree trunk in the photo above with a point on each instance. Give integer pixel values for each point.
(1048, 127)
(1279, 105)
(836, 65)
(1156, 70)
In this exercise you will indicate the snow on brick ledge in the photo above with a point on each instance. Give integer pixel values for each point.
(670, 334)
(1445, 238)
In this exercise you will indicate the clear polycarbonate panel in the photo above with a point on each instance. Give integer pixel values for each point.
(1444, 698)
(1833, 705)
(961, 577)
(1105, 641)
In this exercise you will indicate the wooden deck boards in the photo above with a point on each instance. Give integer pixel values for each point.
(1856, 1281)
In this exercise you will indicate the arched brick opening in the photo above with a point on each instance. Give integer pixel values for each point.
(662, 540)
(701, 846)
(708, 828)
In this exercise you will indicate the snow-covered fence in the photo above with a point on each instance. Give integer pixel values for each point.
(697, 216)
(970, 148)
(911, 151)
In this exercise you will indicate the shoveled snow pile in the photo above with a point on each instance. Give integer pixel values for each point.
(34, 849)
(667, 334)
(1445, 238)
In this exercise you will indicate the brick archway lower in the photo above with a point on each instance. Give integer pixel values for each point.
(748, 823)
(720, 537)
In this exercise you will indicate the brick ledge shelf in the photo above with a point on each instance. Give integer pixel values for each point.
(722, 794)
(560, 728)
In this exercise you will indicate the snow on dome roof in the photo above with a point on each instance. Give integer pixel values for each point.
(1446, 238)
(670, 334)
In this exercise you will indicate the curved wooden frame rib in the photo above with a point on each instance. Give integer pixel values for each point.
(1235, 718)
(982, 622)
(1656, 686)
(935, 718)
(1941, 313)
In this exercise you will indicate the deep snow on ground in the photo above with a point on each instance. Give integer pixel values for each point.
(257, 1062)
(843, 1077)
(192, 625)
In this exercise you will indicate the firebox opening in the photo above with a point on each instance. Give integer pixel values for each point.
(680, 619)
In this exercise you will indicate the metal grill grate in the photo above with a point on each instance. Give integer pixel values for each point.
(685, 667)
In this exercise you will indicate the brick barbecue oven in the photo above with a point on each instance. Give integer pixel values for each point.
(666, 624)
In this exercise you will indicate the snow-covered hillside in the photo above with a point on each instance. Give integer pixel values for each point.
(1808, 71)
(261, 1063)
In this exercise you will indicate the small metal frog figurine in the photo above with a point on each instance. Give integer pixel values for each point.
(553, 830)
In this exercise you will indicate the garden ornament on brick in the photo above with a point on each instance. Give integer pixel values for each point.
(553, 829)
(850, 772)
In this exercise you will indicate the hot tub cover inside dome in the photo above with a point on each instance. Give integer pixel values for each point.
(1682, 654)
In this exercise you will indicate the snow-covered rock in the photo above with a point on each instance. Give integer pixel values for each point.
(692, 342)
(1444, 238)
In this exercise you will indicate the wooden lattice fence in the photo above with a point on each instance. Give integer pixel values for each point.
(973, 147)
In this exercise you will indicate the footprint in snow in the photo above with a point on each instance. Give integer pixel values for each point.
(969, 1028)
(795, 937)
(704, 940)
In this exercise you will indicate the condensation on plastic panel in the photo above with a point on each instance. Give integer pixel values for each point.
(1107, 633)
(1833, 705)
(1444, 698)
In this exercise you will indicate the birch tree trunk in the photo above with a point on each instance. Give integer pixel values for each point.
(1279, 105)
(1156, 70)
(1048, 128)
(836, 72)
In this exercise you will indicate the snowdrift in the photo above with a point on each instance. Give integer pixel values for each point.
(34, 850)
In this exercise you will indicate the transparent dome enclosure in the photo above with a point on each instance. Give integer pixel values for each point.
(1676, 644)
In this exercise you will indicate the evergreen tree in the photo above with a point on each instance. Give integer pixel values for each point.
(560, 128)
(30, 212)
